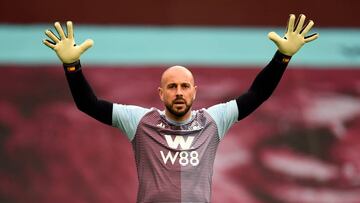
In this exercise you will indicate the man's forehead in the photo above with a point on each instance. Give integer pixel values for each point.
(178, 75)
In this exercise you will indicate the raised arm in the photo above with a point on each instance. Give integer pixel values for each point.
(267, 80)
(69, 53)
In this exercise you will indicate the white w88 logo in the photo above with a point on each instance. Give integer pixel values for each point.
(183, 157)
(179, 141)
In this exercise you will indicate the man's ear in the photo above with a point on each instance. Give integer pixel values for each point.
(195, 87)
(161, 94)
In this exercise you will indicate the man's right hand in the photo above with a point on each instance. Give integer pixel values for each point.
(65, 47)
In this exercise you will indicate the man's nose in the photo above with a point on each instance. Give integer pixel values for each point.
(179, 91)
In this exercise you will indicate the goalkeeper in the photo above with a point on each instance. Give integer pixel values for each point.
(175, 147)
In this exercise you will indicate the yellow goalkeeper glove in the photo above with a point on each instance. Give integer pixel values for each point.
(295, 36)
(65, 47)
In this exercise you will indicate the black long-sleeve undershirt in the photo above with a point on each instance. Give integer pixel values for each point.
(260, 90)
(263, 85)
(84, 97)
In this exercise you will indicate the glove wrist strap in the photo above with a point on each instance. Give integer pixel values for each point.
(72, 67)
(282, 58)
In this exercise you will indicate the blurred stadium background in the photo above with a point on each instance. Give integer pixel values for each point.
(301, 146)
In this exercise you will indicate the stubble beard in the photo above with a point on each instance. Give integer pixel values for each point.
(178, 113)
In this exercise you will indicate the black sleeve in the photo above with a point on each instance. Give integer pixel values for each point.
(263, 85)
(84, 97)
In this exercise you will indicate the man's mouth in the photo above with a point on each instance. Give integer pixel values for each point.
(179, 102)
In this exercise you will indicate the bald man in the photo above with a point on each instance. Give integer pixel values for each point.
(177, 91)
(175, 148)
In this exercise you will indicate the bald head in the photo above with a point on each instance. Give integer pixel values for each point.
(176, 73)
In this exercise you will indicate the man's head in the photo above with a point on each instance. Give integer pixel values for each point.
(177, 90)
